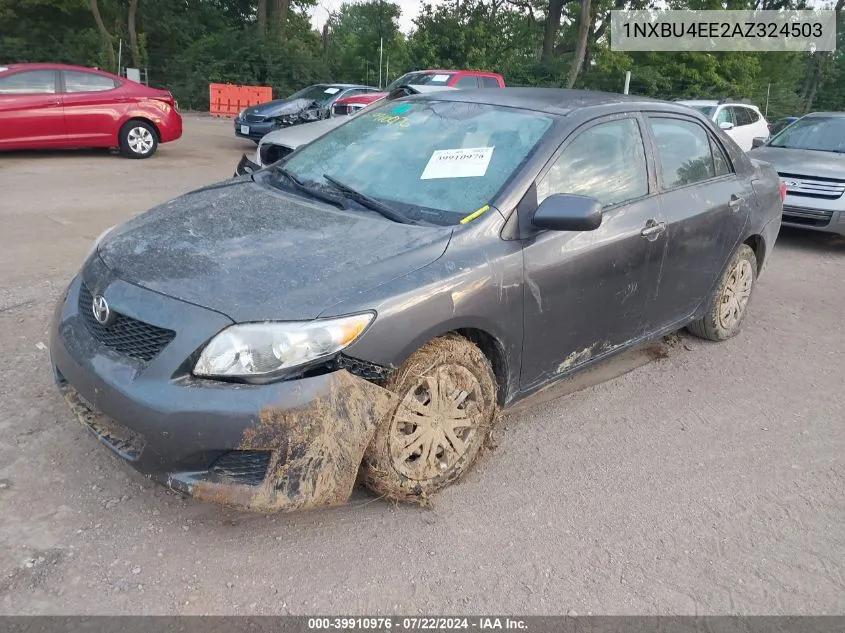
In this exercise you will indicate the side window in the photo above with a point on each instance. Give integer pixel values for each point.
(606, 162)
(720, 164)
(76, 81)
(753, 114)
(29, 82)
(724, 116)
(684, 152)
(489, 82)
(467, 81)
(742, 116)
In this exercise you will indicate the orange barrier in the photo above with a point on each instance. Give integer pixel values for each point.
(228, 99)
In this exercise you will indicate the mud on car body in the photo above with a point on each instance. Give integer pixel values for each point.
(374, 300)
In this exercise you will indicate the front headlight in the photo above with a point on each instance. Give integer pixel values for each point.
(242, 113)
(254, 350)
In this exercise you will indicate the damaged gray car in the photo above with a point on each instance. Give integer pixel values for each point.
(369, 305)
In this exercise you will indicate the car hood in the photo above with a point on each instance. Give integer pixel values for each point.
(280, 106)
(254, 253)
(802, 162)
(302, 134)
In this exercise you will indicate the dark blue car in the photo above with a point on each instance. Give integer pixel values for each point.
(309, 104)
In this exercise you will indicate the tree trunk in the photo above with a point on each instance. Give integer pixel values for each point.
(133, 34)
(814, 76)
(280, 16)
(581, 45)
(262, 18)
(552, 25)
(104, 35)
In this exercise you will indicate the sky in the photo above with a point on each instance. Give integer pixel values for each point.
(410, 10)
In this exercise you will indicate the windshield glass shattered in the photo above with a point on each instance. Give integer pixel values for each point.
(434, 161)
(825, 134)
(705, 110)
(420, 79)
(320, 93)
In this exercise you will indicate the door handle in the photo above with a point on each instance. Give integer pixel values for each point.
(736, 201)
(653, 229)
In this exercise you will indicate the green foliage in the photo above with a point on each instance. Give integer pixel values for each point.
(186, 44)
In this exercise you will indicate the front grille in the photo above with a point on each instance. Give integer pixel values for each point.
(814, 187)
(253, 118)
(240, 467)
(807, 217)
(124, 335)
(270, 153)
(341, 110)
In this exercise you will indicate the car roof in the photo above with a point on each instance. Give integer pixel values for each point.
(344, 85)
(552, 100)
(48, 66)
(838, 115)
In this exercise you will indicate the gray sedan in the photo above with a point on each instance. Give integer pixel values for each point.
(809, 156)
(368, 305)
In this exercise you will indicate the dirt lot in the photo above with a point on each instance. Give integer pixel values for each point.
(709, 481)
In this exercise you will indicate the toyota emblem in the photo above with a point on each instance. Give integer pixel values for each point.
(791, 183)
(101, 310)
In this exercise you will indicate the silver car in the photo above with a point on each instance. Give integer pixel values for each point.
(809, 156)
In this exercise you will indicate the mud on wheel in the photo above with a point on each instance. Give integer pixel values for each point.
(446, 408)
(727, 307)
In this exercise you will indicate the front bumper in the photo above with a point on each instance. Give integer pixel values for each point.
(289, 445)
(256, 131)
(824, 220)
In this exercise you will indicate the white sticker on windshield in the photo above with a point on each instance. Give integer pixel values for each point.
(331, 91)
(439, 78)
(458, 163)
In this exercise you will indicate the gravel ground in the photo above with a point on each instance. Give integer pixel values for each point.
(711, 480)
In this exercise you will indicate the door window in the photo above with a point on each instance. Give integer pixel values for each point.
(753, 114)
(29, 82)
(720, 164)
(76, 81)
(489, 82)
(725, 116)
(467, 82)
(685, 153)
(742, 116)
(606, 162)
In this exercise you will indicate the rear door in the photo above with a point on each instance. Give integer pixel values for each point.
(93, 107)
(706, 207)
(31, 113)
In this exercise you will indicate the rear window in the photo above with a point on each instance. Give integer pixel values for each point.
(489, 82)
(77, 81)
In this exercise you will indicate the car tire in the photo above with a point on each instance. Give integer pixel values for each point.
(729, 303)
(447, 398)
(138, 139)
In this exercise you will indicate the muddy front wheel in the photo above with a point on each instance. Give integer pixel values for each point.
(446, 407)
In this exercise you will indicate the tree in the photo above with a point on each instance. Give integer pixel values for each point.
(105, 36)
(133, 33)
(581, 46)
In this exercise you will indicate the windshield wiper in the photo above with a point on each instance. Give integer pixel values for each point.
(311, 191)
(371, 203)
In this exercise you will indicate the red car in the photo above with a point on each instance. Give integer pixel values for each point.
(57, 106)
(460, 79)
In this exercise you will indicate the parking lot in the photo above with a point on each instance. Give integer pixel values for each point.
(710, 479)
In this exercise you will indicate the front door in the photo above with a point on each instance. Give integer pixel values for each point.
(586, 292)
(30, 110)
(706, 207)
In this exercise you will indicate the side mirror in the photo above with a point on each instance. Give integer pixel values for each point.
(726, 125)
(568, 212)
(758, 141)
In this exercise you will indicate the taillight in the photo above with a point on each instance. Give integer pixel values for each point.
(782, 192)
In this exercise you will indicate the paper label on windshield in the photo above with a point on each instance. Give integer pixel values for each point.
(331, 91)
(458, 163)
(439, 78)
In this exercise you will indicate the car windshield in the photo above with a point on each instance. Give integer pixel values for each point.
(824, 134)
(316, 93)
(419, 79)
(706, 110)
(434, 161)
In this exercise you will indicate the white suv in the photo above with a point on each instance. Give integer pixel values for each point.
(741, 121)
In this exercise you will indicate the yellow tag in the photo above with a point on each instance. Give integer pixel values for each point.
(475, 214)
